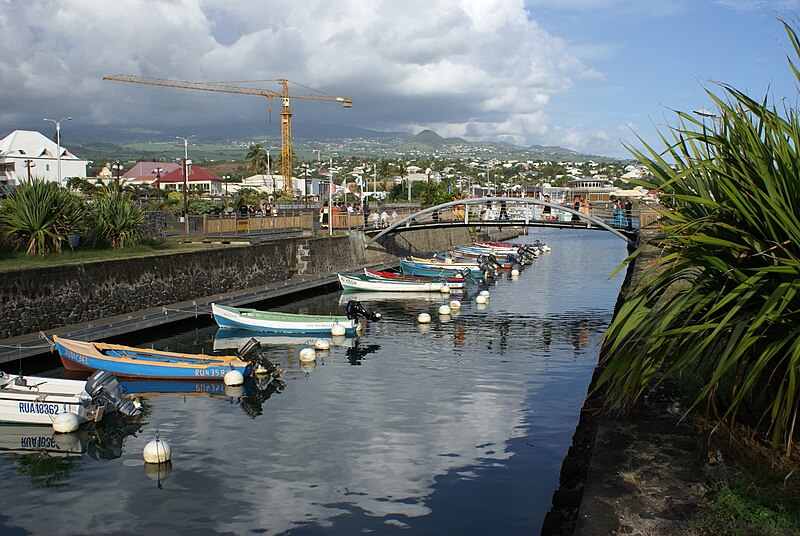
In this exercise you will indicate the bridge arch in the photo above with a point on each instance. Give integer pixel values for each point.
(407, 221)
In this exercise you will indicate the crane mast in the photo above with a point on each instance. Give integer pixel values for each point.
(284, 95)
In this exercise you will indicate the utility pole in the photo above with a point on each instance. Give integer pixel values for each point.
(186, 164)
(30, 164)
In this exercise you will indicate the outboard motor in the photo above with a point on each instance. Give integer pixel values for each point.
(250, 352)
(515, 261)
(354, 311)
(104, 389)
(469, 276)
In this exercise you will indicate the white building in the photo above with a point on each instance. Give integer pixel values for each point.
(26, 154)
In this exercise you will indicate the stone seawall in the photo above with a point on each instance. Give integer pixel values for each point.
(47, 298)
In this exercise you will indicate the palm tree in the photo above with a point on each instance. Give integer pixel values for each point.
(403, 172)
(723, 300)
(255, 157)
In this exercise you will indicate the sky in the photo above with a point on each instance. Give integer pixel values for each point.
(587, 75)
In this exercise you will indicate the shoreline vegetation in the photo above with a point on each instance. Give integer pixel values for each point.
(706, 337)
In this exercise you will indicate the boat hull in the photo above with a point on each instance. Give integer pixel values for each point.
(362, 282)
(266, 322)
(142, 363)
(39, 400)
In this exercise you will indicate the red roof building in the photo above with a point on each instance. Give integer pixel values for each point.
(199, 180)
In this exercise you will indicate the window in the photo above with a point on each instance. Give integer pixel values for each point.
(47, 167)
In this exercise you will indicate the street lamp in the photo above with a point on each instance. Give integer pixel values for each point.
(428, 173)
(226, 178)
(58, 143)
(186, 164)
(117, 167)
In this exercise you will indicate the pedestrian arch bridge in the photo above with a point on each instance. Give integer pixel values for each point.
(513, 212)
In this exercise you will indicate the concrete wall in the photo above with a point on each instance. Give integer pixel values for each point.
(46, 298)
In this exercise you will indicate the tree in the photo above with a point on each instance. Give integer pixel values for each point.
(39, 216)
(117, 219)
(723, 301)
(256, 158)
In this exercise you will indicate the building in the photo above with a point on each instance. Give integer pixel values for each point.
(199, 180)
(26, 154)
(146, 173)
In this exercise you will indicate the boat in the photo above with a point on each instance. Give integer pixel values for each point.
(456, 282)
(276, 322)
(433, 269)
(127, 361)
(39, 399)
(227, 338)
(373, 284)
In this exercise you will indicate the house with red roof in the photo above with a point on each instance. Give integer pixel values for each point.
(147, 172)
(199, 180)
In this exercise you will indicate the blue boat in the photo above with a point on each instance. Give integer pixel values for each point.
(133, 362)
(434, 269)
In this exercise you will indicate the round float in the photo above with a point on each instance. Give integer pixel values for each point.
(66, 423)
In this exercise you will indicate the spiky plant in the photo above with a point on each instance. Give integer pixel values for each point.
(723, 301)
(39, 215)
(118, 220)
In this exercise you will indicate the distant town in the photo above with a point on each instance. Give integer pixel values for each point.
(362, 166)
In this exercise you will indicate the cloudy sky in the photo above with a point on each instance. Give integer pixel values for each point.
(582, 74)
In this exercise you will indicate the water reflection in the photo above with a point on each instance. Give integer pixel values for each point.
(48, 459)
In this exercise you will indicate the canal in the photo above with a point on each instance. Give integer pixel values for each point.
(457, 427)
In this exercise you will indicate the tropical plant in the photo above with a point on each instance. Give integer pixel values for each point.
(39, 215)
(256, 158)
(723, 301)
(117, 219)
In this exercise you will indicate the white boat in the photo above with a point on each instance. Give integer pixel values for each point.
(39, 400)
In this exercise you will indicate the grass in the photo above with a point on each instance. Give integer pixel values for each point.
(19, 261)
(762, 495)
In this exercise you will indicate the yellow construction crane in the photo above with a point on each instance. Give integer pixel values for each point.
(284, 95)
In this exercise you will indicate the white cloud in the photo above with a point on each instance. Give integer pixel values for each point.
(480, 67)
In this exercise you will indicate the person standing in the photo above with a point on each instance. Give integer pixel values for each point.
(365, 211)
(323, 215)
(576, 206)
(629, 213)
(546, 211)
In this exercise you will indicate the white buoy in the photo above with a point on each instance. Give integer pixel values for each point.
(424, 318)
(444, 309)
(233, 377)
(338, 330)
(455, 304)
(322, 344)
(481, 299)
(307, 354)
(157, 451)
(66, 423)
(445, 289)
(484, 293)
(514, 272)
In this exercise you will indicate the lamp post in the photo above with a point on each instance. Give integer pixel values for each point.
(117, 167)
(330, 199)
(428, 173)
(225, 179)
(58, 143)
(186, 164)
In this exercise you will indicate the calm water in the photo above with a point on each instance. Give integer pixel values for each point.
(455, 428)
